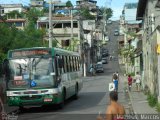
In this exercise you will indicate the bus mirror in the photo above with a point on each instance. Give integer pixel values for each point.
(60, 63)
(5, 67)
(1, 70)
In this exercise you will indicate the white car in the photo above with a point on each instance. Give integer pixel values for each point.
(109, 21)
(104, 60)
(107, 38)
(99, 68)
(116, 32)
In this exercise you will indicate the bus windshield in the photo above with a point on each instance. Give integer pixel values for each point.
(31, 73)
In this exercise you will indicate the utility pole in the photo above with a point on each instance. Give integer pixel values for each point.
(71, 24)
(50, 24)
(72, 27)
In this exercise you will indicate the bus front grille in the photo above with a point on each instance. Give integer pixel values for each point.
(31, 97)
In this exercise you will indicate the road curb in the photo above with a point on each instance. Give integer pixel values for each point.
(127, 92)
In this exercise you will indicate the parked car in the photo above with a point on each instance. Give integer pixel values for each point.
(116, 32)
(106, 54)
(99, 67)
(107, 38)
(109, 21)
(104, 60)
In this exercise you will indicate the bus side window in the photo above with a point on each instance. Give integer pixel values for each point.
(64, 63)
(67, 63)
(70, 63)
(73, 63)
(79, 63)
(76, 63)
(61, 67)
(56, 65)
(59, 64)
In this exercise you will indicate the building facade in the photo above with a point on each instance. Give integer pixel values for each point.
(18, 23)
(38, 4)
(129, 26)
(148, 11)
(7, 8)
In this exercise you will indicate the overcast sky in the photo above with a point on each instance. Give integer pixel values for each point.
(116, 5)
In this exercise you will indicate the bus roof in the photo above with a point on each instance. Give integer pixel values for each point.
(59, 50)
(39, 51)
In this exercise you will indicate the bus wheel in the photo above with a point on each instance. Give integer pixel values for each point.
(61, 105)
(76, 92)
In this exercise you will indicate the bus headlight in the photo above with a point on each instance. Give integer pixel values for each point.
(9, 93)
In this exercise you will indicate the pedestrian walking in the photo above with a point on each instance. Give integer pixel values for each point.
(138, 81)
(115, 111)
(117, 74)
(129, 82)
(115, 81)
(91, 70)
(110, 57)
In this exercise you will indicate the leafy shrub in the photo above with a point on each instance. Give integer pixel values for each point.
(158, 107)
(132, 74)
(152, 100)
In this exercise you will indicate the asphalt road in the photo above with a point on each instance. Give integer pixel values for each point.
(93, 98)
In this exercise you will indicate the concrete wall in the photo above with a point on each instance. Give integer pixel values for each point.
(149, 46)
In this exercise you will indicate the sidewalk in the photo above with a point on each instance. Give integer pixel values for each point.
(124, 98)
(140, 103)
(138, 100)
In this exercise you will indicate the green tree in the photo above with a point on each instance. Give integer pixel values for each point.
(13, 14)
(69, 3)
(33, 14)
(85, 13)
(107, 11)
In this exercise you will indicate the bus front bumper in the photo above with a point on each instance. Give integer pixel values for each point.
(35, 100)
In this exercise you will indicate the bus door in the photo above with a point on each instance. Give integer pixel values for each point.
(61, 81)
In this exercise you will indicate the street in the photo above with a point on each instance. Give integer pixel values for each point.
(93, 98)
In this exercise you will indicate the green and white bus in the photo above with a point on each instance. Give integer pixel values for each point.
(42, 76)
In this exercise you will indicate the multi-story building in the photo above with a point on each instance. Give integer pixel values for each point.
(38, 4)
(129, 26)
(130, 10)
(61, 27)
(90, 4)
(148, 11)
(6, 8)
(18, 23)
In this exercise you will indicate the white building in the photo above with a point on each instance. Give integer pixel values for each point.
(130, 10)
(7, 8)
(38, 4)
